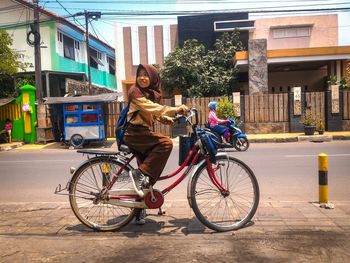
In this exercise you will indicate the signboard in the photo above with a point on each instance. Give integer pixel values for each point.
(297, 100)
(335, 98)
(237, 103)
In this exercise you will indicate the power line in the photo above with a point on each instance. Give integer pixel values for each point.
(192, 2)
(95, 30)
(69, 13)
(251, 10)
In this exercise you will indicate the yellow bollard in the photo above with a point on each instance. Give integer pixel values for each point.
(323, 177)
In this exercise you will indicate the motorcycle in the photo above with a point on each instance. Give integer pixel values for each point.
(237, 139)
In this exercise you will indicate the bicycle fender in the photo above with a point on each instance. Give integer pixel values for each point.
(242, 135)
(193, 173)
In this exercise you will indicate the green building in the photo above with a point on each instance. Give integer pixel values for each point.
(63, 49)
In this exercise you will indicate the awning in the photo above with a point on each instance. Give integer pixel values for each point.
(98, 46)
(6, 101)
(73, 33)
(105, 97)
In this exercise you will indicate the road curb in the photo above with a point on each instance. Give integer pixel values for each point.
(12, 146)
(341, 137)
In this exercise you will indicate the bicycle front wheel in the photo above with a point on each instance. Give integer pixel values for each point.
(88, 202)
(230, 210)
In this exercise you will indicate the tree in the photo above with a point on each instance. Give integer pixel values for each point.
(196, 73)
(183, 68)
(9, 65)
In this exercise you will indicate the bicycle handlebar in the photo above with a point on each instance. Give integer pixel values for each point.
(192, 112)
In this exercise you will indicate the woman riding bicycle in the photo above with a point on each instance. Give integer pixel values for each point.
(153, 149)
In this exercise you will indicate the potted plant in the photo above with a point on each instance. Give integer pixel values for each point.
(309, 121)
(344, 83)
(332, 81)
(320, 126)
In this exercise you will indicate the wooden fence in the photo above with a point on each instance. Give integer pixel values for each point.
(316, 102)
(258, 109)
(266, 108)
(113, 110)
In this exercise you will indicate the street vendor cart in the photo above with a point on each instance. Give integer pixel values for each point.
(83, 117)
(83, 122)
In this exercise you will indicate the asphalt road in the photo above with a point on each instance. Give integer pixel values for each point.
(285, 171)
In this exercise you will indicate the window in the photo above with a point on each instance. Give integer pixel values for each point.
(72, 118)
(291, 32)
(99, 55)
(76, 44)
(89, 107)
(72, 107)
(111, 65)
(59, 36)
(94, 60)
(68, 47)
(87, 118)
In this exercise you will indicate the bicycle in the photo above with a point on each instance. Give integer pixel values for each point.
(223, 193)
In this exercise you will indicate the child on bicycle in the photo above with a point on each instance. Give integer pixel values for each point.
(214, 122)
(153, 148)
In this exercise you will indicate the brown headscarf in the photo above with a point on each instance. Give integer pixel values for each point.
(153, 91)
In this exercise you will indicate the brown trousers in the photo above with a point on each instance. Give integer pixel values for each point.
(153, 149)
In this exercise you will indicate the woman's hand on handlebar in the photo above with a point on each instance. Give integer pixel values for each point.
(183, 110)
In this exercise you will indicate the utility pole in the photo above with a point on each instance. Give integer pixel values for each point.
(37, 52)
(92, 16)
(88, 49)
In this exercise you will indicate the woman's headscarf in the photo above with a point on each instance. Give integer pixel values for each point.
(153, 91)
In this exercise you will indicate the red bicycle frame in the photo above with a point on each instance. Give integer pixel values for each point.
(192, 155)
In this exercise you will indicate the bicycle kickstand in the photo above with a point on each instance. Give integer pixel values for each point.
(161, 212)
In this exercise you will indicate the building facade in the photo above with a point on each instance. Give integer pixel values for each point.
(279, 53)
(63, 48)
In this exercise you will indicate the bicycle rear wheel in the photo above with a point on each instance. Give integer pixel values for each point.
(89, 205)
(225, 211)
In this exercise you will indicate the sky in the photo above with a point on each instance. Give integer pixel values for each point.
(132, 12)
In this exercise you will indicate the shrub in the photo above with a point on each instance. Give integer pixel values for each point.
(308, 118)
(226, 110)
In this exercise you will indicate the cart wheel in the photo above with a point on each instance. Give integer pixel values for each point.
(76, 140)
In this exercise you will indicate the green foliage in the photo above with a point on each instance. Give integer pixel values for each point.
(196, 73)
(308, 118)
(226, 110)
(320, 124)
(9, 65)
(26, 80)
(332, 80)
(344, 83)
(182, 68)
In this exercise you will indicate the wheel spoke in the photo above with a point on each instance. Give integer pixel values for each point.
(87, 200)
(227, 210)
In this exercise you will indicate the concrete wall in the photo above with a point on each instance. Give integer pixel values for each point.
(142, 44)
(324, 31)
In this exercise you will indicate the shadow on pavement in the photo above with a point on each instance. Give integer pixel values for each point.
(169, 226)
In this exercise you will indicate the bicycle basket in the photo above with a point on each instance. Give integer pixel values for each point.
(209, 146)
(186, 143)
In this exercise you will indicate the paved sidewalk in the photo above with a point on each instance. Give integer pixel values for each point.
(279, 232)
(26, 219)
